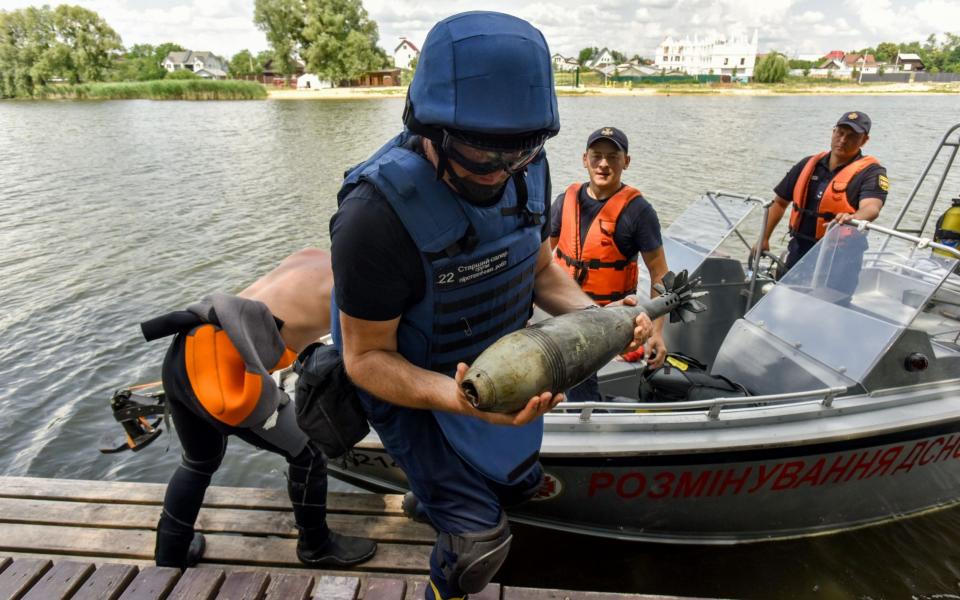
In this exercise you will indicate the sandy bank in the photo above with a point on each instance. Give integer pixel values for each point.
(656, 90)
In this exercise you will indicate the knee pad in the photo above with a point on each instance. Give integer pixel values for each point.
(478, 555)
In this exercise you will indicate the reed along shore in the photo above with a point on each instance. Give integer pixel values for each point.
(162, 89)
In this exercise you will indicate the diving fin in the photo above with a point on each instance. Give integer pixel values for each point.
(132, 411)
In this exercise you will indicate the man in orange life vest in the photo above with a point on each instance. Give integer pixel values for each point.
(597, 230)
(833, 186)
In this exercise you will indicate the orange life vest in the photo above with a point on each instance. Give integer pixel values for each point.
(596, 263)
(834, 200)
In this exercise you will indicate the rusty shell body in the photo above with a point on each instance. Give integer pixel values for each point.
(556, 354)
(553, 355)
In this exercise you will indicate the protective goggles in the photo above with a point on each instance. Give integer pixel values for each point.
(481, 161)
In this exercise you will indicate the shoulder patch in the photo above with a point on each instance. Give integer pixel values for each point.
(883, 182)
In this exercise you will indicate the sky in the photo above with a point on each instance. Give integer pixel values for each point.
(631, 26)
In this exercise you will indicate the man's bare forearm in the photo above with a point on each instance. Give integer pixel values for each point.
(389, 376)
(557, 293)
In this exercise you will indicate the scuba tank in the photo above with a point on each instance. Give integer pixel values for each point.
(948, 228)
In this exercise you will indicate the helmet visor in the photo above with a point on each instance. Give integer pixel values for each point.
(482, 161)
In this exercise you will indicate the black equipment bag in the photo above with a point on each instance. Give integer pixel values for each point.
(328, 407)
(684, 378)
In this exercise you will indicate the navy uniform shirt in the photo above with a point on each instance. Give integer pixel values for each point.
(377, 269)
(637, 228)
(868, 183)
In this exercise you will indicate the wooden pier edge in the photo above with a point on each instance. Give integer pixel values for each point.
(77, 539)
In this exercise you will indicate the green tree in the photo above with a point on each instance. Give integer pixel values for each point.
(340, 40)
(618, 57)
(244, 64)
(40, 45)
(771, 69)
(86, 45)
(586, 54)
(142, 62)
(886, 52)
(282, 22)
(336, 38)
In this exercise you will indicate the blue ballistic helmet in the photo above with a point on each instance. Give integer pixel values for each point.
(486, 78)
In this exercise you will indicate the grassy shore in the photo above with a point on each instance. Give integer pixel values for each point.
(682, 89)
(182, 89)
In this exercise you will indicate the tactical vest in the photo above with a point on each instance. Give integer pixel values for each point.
(834, 200)
(479, 266)
(596, 263)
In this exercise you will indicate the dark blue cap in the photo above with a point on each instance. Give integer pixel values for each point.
(858, 121)
(609, 133)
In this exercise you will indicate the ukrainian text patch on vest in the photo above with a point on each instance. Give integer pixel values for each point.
(475, 270)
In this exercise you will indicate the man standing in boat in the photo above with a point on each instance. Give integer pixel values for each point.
(834, 186)
(439, 248)
(599, 228)
(217, 383)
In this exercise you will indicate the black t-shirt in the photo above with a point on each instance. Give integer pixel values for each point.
(637, 228)
(868, 183)
(377, 269)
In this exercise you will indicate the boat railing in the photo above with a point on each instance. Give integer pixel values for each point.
(950, 147)
(921, 242)
(713, 406)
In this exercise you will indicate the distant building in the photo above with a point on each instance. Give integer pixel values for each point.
(908, 62)
(629, 70)
(562, 63)
(865, 63)
(205, 64)
(602, 59)
(309, 81)
(735, 56)
(377, 78)
(404, 53)
(837, 54)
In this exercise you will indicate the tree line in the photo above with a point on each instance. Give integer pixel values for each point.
(40, 46)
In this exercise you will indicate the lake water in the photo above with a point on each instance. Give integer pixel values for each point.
(114, 212)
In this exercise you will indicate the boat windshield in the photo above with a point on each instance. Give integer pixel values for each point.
(702, 228)
(849, 298)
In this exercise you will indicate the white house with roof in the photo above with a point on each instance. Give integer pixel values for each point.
(205, 64)
(907, 61)
(734, 55)
(562, 63)
(404, 53)
(601, 59)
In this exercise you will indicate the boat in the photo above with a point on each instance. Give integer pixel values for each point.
(852, 364)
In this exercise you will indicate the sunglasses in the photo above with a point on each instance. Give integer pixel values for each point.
(482, 161)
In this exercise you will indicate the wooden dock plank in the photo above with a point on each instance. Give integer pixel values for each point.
(198, 584)
(245, 585)
(217, 496)
(152, 583)
(17, 578)
(299, 569)
(107, 582)
(381, 588)
(284, 586)
(336, 588)
(224, 520)
(61, 581)
(139, 544)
